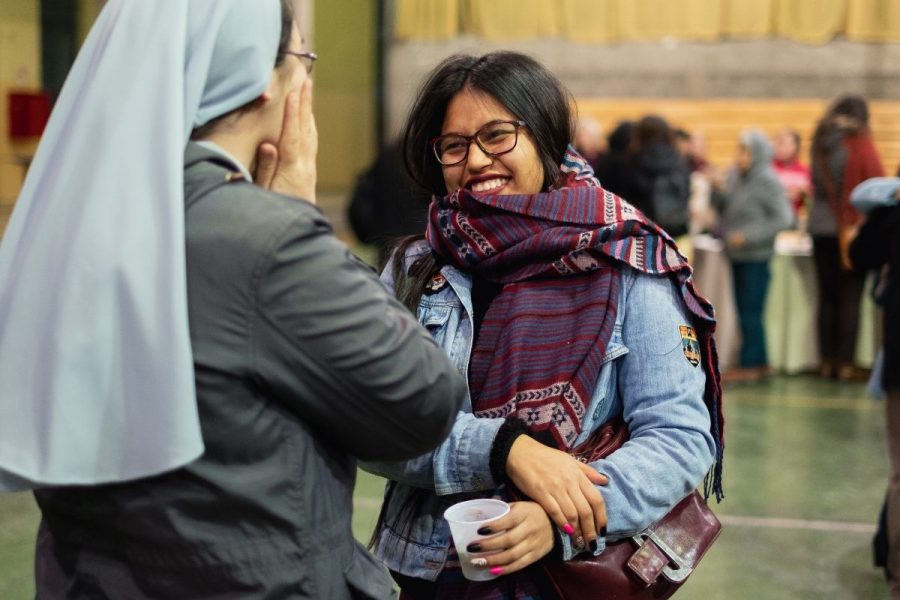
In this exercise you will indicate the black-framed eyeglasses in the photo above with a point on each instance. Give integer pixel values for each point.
(494, 139)
(307, 58)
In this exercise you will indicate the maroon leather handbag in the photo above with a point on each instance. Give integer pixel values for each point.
(650, 565)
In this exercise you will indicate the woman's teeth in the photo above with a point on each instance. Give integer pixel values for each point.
(489, 185)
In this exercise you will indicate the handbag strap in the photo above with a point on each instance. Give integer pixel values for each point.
(608, 438)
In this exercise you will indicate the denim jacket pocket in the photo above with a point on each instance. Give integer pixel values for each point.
(604, 399)
(615, 347)
(435, 318)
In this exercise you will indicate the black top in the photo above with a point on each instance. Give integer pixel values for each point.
(483, 293)
(877, 245)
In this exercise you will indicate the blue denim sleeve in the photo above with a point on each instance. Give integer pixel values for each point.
(460, 464)
(660, 387)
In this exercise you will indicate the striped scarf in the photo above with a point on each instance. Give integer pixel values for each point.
(558, 255)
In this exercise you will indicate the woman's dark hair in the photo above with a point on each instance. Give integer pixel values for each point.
(518, 82)
(620, 138)
(287, 27)
(649, 131)
(854, 107)
(848, 114)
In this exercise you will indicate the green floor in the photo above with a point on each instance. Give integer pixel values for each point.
(805, 476)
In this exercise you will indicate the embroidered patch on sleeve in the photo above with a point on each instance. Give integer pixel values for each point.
(435, 284)
(689, 344)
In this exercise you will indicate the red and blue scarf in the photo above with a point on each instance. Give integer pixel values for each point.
(558, 255)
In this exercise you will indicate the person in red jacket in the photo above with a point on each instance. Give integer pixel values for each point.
(843, 155)
(791, 172)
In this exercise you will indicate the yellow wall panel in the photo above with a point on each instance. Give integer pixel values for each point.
(873, 20)
(589, 21)
(811, 21)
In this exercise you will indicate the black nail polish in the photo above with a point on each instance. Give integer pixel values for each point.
(485, 531)
(474, 547)
(603, 532)
(593, 545)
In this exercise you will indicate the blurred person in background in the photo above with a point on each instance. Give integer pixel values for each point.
(192, 363)
(793, 174)
(657, 176)
(612, 167)
(842, 156)
(703, 216)
(386, 204)
(754, 208)
(589, 140)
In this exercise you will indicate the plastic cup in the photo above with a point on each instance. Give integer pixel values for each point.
(465, 519)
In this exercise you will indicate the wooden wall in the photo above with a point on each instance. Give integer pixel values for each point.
(721, 121)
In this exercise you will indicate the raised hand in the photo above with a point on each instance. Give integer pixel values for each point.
(290, 167)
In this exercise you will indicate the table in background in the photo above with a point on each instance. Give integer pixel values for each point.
(790, 312)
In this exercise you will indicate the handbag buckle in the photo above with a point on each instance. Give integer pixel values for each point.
(675, 574)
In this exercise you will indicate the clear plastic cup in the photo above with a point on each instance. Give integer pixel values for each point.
(465, 519)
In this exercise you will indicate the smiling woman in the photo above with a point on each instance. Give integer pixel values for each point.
(556, 298)
(504, 163)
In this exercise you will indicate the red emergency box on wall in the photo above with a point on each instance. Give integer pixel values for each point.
(28, 114)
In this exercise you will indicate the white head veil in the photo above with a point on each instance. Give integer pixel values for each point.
(96, 374)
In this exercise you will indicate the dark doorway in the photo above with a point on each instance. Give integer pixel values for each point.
(58, 42)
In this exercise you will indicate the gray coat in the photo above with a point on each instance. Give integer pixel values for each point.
(304, 363)
(755, 203)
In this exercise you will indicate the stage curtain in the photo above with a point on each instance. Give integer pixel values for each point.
(589, 21)
(507, 20)
(610, 21)
(873, 20)
(426, 20)
(748, 18)
(652, 20)
(810, 21)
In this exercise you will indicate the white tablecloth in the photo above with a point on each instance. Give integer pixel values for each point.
(790, 312)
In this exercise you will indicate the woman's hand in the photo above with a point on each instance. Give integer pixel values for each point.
(736, 239)
(527, 537)
(290, 167)
(564, 487)
(846, 235)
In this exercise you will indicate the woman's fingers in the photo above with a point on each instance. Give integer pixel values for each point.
(289, 142)
(586, 527)
(295, 173)
(597, 506)
(266, 164)
(526, 536)
(309, 135)
(521, 553)
(595, 476)
(308, 145)
(563, 486)
(555, 512)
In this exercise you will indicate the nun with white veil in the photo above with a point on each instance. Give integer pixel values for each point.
(190, 362)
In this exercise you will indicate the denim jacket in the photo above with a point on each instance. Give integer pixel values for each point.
(646, 378)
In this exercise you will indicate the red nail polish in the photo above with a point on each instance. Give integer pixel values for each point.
(497, 571)
(568, 529)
